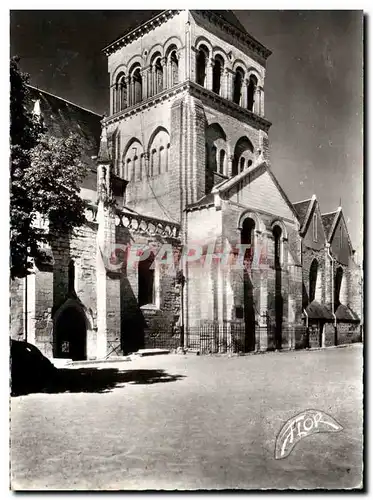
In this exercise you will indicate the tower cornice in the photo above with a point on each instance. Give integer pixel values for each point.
(242, 36)
(140, 31)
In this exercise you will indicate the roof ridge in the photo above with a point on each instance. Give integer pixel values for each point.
(330, 213)
(302, 201)
(65, 100)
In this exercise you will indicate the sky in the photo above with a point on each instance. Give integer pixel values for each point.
(313, 88)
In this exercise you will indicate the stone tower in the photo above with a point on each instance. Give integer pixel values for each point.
(186, 107)
(188, 134)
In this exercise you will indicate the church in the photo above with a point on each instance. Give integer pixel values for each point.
(190, 242)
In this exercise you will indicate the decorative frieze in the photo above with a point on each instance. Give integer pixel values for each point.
(138, 223)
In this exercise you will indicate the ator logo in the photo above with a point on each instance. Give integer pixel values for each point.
(301, 426)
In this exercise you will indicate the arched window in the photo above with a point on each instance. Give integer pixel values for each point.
(216, 74)
(158, 68)
(237, 85)
(313, 279)
(137, 82)
(201, 66)
(222, 162)
(248, 238)
(242, 164)
(243, 149)
(249, 163)
(146, 281)
(251, 89)
(120, 93)
(213, 159)
(337, 286)
(277, 237)
(216, 147)
(174, 63)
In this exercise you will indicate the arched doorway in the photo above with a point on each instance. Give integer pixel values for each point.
(71, 334)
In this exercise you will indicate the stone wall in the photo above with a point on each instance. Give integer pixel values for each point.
(348, 333)
(16, 289)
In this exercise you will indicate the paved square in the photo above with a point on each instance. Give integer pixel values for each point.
(191, 422)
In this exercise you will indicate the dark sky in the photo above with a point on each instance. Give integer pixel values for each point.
(313, 88)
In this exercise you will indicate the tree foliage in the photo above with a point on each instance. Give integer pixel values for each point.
(45, 174)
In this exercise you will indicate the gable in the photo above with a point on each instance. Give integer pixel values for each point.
(314, 235)
(301, 209)
(259, 192)
(340, 242)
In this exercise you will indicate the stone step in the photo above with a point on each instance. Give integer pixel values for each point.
(116, 359)
(150, 352)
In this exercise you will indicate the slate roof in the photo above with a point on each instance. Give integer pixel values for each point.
(344, 313)
(229, 17)
(301, 209)
(62, 117)
(318, 311)
(144, 17)
(327, 220)
(205, 201)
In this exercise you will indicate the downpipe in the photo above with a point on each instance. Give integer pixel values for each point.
(333, 314)
(308, 333)
(332, 263)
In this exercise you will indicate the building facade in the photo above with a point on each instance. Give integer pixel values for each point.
(190, 240)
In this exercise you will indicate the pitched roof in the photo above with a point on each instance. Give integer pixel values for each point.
(301, 209)
(327, 220)
(318, 311)
(344, 313)
(62, 117)
(229, 17)
(204, 202)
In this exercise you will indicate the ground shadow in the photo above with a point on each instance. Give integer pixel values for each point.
(95, 380)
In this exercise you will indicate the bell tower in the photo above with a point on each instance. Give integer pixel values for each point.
(186, 108)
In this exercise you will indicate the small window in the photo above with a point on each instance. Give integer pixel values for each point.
(216, 75)
(137, 82)
(201, 67)
(251, 89)
(158, 76)
(237, 85)
(314, 227)
(174, 69)
(340, 236)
